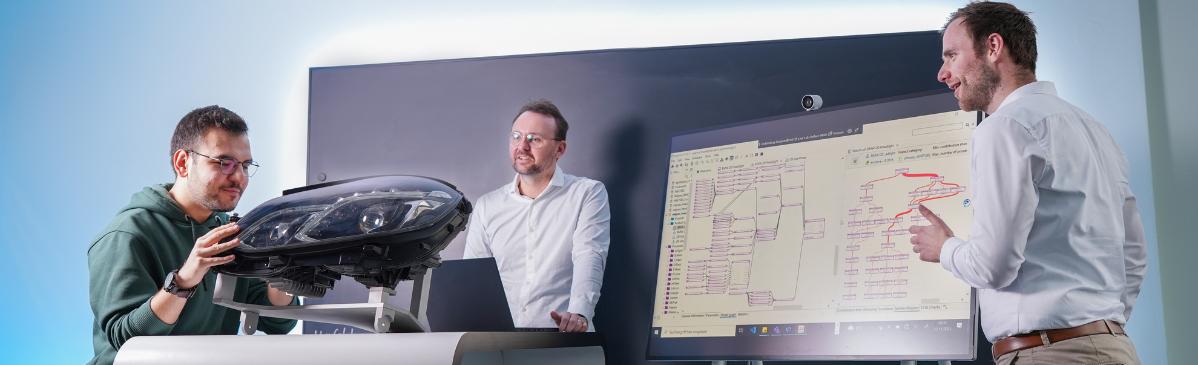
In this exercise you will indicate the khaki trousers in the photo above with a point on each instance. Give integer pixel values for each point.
(1100, 349)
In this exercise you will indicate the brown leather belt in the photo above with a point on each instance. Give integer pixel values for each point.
(1041, 338)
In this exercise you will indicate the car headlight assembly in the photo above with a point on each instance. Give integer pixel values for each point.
(378, 230)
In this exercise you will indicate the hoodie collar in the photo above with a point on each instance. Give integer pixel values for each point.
(156, 198)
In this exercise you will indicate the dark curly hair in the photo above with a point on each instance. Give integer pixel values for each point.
(195, 124)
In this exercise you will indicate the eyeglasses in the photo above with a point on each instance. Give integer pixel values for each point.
(229, 165)
(533, 139)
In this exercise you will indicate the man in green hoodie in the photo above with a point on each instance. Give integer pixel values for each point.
(149, 269)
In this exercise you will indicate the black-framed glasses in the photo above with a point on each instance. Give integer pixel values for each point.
(228, 165)
(533, 139)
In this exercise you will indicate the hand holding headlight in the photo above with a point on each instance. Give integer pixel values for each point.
(204, 255)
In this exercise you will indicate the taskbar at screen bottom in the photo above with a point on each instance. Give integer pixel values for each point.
(945, 339)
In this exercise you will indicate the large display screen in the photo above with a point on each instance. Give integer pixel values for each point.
(786, 238)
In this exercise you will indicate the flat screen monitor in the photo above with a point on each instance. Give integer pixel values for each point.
(785, 238)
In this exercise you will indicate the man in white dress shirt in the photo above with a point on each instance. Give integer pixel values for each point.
(547, 230)
(1057, 248)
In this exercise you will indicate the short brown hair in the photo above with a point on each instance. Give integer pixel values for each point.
(546, 107)
(983, 18)
(195, 124)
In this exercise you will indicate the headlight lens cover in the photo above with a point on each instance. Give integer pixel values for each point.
(349, 210)
(378, 230)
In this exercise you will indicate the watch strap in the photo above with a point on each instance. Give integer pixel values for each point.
(171, 286)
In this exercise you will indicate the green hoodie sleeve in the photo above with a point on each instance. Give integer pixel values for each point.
(120, 286)
(256, 294)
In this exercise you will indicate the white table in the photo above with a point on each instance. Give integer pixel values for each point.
(472, 348)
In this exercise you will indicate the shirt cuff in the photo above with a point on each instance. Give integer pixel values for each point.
(143, 321)
(947, 252)
(581, 307)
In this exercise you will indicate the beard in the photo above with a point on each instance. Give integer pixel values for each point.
(532, 169)
(978, 94)
(210, 199)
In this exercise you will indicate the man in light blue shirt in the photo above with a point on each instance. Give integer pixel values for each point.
(1057, 248)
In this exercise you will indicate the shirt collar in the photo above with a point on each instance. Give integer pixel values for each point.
(1038, 87)
(558, 180)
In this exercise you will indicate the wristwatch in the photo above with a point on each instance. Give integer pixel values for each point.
(170, 286)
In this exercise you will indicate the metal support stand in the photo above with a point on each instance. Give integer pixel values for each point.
(374, 315)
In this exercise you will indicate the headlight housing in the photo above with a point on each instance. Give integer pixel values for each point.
(378, 230)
